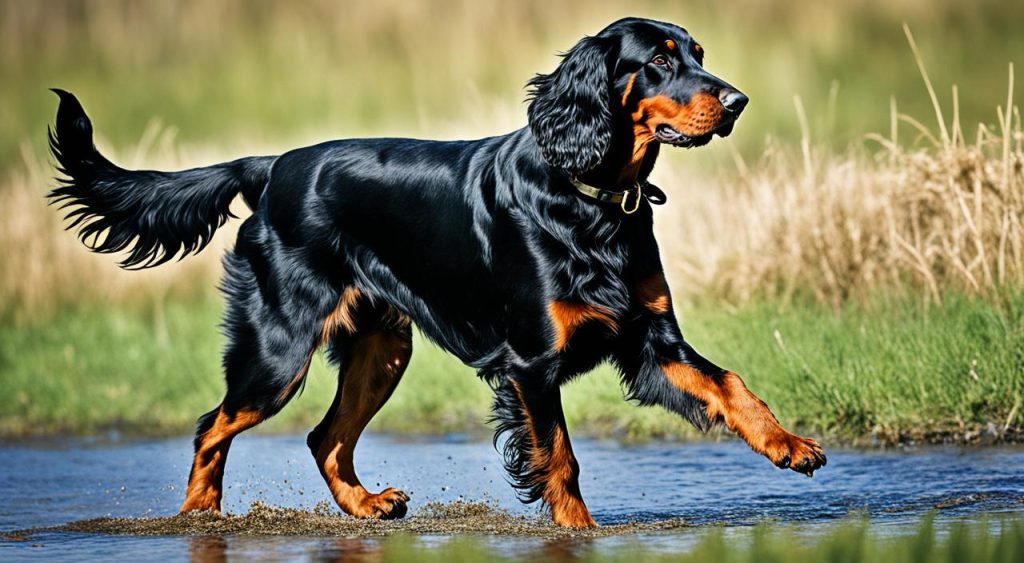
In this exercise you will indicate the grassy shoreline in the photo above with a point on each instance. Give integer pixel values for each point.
(875, 287)
(886, 372)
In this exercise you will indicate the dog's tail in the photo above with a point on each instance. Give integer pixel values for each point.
(156, 216)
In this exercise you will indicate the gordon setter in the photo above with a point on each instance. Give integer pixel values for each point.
(530, 256)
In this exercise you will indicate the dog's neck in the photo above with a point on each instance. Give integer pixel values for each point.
(629, 159)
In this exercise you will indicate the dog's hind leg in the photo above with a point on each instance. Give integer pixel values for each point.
(214, 433)
(275, 320)
(373, 346)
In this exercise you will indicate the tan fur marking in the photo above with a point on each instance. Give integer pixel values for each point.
(567, 317)
(642, 138)
(653, 294)
(628, 90)
(341, 316)
(378, 361)
(562, 492)
(529, 421)
(670, 45)
(700, 116)
(743, 412)
(561, 473)
(206, 480)
(289, 389)
(729, 400)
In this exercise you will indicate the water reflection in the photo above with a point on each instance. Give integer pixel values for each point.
(208, 549)
(216, 548)
(354, 550)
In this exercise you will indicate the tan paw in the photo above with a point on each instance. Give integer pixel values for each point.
(802, 455)
(388, 504)
(577, 520)
(573, 514)
(201, 501)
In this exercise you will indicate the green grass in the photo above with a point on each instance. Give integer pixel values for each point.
(890, 370)
(999, 540)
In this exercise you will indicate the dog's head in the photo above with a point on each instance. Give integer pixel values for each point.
(648, 72)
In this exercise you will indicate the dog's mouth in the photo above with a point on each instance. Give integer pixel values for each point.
(667, 134)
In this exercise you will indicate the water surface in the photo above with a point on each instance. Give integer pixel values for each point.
(701, 483)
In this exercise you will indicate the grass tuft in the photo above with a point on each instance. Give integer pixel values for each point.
(939, 217)
(884, 372)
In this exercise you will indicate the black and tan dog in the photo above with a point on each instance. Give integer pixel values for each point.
(529, 256)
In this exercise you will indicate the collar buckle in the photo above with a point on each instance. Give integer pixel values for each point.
(627, 200)
(636, 200)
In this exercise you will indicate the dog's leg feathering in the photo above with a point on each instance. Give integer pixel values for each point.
(537, 451)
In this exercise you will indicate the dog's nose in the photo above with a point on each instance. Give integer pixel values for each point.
(733, 100)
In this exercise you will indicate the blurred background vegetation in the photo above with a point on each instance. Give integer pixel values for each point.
(236, 74)
(868, 288)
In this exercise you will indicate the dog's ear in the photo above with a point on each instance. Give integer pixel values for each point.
(570, 109)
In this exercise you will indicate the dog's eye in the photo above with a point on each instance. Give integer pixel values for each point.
(660, 60)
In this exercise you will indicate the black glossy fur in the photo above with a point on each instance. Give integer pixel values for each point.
(471, 240)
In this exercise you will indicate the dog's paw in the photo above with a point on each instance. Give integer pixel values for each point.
(802, 455)
(570, 512)
(388, 504)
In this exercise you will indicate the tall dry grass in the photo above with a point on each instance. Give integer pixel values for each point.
(44, 267)
(942, 211)
(938, 210)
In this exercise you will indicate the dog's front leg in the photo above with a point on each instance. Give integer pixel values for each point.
(537, 451)
(659, 367)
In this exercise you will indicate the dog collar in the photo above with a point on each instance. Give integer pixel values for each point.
(628, 200)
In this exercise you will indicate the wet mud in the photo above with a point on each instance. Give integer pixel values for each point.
(453, 518)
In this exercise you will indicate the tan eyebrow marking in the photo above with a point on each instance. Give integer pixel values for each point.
(629, 89)
(670, 44)
(698, 49)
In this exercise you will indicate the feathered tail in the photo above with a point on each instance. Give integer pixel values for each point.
(155, 216)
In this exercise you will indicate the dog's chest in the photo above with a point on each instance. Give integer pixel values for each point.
(587, 260)
(590, 296)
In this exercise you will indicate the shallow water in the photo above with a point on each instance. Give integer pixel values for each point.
(701, 483)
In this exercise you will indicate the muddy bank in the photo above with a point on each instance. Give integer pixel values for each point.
(990, 434)
(453, 518)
